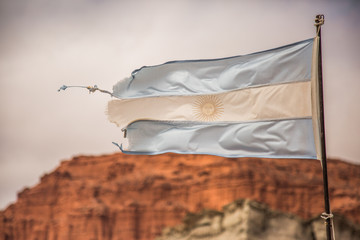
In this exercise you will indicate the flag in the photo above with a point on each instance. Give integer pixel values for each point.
(256, 105)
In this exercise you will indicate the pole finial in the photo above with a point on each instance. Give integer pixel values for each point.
(319, 20)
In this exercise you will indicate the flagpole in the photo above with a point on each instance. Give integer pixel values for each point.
(327, 215)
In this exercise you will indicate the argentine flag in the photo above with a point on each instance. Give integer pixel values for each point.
(257, 105)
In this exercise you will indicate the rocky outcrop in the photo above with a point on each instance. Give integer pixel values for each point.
(134, 197)
(249, 220)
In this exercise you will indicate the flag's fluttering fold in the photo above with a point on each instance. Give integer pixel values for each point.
(256, 105)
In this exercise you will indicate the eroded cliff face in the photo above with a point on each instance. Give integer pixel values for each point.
(134, 197)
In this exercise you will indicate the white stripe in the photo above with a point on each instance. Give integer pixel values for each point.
(281, 101)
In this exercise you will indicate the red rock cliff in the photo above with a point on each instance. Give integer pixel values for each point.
(133, 197)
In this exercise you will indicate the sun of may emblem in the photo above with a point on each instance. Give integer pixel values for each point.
(208, 108)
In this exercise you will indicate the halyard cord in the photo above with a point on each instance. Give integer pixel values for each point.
(330, 216)
(326, 216)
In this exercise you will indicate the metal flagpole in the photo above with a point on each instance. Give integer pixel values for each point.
(327, 215)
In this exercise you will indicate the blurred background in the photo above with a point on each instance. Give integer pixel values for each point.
(45, 44)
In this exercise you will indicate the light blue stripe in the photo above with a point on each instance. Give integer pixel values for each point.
(289, 63)
(271, 139)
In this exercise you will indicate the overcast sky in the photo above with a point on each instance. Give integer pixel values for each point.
(45, 44)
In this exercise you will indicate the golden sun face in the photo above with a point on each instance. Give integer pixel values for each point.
(208, 108)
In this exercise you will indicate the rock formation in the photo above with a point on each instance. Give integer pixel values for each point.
(249, 220)
(134, 197)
